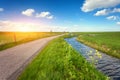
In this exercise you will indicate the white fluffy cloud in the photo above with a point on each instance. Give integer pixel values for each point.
(107, 11)
(28, 12)
(118, 23)
(44, 15)
(90, 5)
(1, 9)
(112, 17)
(102, 12)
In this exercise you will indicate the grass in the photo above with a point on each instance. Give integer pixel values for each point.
(108, 42)
(10, 39)
(59, 61)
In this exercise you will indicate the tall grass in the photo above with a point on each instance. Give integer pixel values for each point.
(10, 39)
(59, 61)
(108, 42)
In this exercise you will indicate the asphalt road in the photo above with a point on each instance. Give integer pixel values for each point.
(14, 60)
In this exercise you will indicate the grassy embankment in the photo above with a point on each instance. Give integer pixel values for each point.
(59, 61)
(108, 42)
(10, 39)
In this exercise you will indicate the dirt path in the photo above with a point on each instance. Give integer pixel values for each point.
(13, 60)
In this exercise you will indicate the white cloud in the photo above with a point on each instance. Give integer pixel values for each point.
(118, 23)
(44, 15)
(90, 5)
(1, 9)
(107, 11)
(112, 17)
(50, 17)
(23, 26)
(116, 10)
(28, 12)
(102, 12)
(6, 23)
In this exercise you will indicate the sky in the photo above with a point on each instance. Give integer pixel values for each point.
(60, 15)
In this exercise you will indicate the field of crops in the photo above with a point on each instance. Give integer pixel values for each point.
(59, 61)
(108, 42)
(9, 39)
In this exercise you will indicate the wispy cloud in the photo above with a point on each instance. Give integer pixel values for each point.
(112, 17)
(50, 17)
(118, 23)
(1, 9)
(28, 12)
(44, 15)
(107, 12)
(102, 12)
(90, 5)
(23, 26)
(116, 10)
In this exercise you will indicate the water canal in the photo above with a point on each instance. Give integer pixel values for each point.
(108, 65)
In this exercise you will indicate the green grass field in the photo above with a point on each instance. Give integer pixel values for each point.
(59, 61)
(108, 42)
(10, 39)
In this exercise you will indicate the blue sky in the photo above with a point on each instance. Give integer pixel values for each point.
(59, 15)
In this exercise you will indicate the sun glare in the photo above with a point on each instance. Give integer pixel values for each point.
(24, 29)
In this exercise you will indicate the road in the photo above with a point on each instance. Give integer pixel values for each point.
(14, 60)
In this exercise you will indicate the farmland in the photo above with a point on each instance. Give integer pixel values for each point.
(108, 42)
(59, 61)
(9, 39)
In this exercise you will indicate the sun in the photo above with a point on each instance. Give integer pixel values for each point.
(25, 29)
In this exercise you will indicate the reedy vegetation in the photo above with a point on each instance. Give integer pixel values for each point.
(7, 39)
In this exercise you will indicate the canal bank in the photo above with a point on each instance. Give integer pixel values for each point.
(110, 66)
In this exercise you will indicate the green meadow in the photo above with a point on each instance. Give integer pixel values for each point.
(59, 61)
(108, 42)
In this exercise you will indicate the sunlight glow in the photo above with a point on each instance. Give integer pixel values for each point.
(24, 29)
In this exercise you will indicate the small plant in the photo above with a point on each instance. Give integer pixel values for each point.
(94, 57)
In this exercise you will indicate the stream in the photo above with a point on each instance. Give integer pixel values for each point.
(108, 65)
